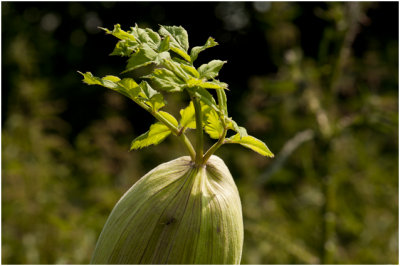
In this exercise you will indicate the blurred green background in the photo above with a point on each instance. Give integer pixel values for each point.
(318, 82)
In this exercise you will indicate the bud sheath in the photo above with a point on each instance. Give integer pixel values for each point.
(176, 214)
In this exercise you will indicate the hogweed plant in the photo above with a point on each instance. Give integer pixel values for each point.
(188, 210)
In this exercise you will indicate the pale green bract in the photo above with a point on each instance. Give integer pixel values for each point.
(176, 214)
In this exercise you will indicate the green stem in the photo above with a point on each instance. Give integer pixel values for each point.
(215, 147)
(186, 142)
(174, 129)
(199, 131)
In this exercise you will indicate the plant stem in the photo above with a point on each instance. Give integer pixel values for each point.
(185, 140)
(214, 147)
(175, 130)
(199, 131)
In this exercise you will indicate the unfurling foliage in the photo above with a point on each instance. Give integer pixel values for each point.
(174, 71)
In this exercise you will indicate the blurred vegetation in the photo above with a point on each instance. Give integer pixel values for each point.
(317, 81)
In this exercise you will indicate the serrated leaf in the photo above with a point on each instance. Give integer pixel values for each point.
(146, 36)
(154, 37)
(178, 35)
(156, 134)
(147, 91)
(188, 118)
(197, 49)
(214, 127)
(193, 82)
(111, 78)
(234, 126)
(166, 80)
(114, 83)
(124, 48)
(144, 56)
(130, 86)
(205, 110)
(177, 69)
(222, 102)
(180, 52)
(211, 69)
(120, 34)
(89, 79)
(178, 40)
(151, 97)
(169, 117)
(162, 57)
(164, 45)
(251, 143)
(190, 71)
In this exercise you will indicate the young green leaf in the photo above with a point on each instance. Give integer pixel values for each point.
(178, 34)
(234, 126)
(166, 80)
(214, 127)
(222, 102)
(170, 118)
(178, 40)
(188, 119)
(124, 48)
(150, 96)
(177, 69)
(164, 45)
(197, 49)
(190, 70)
(211, 69)
(173, 71)
(193, 82)
(120, 34)
(128, 87)
(146, 36)
(251, 143)
(157, 133)
(144, 56)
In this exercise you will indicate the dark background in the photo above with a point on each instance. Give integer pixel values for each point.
(318, 82)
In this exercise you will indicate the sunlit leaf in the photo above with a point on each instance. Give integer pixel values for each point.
(120, 34)
(166, 80)
(169, 117)
(177, 69)
(151, 97)
(251, 143)
(111, 78)
(127, 87)
(197, 49)
(188, 118)
(214, 127)
(156, 134)
(211, 69)
(222, 102)
(234, 126)
(193, 82)
(178, 40)
(146, 36)
(178, 35)
(89, 79)
(164, 45)
(190, 70)
(124, 48)
(144, 56)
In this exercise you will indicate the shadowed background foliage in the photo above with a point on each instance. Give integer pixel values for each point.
(318, 82)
